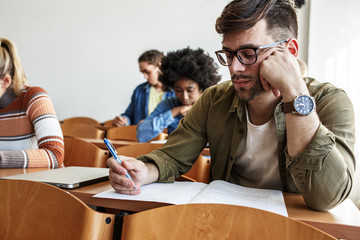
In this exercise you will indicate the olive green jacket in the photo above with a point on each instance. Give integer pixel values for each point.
(323, 173)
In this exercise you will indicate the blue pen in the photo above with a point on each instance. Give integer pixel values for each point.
(114, 153)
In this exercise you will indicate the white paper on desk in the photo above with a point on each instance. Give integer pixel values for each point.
(227, 193)
(173, 193)
(216, 192)
(159, 141)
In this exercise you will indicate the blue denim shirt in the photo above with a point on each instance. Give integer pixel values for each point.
(138, 108)
(158, 120)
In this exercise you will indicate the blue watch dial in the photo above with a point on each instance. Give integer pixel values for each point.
(304, 104)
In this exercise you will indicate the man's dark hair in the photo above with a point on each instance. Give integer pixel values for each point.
(240, 15)
(191, 64)
(153, 57)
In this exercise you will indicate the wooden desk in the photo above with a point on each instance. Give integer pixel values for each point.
(120, 143)
(116, 143)
(342, 222)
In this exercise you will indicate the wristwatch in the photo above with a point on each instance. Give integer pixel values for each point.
(302, 105)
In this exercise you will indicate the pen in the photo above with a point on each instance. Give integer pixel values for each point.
(114, 153)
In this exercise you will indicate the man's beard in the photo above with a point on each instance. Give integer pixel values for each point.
(248, 95)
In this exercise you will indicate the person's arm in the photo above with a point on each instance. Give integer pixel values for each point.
(319, 154)
(50, 152)
(141, 173)
(324, 171)
(127, 117)
(156, 122)
(184, 144)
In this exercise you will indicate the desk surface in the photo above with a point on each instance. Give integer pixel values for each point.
(120, 143)
(341, 222)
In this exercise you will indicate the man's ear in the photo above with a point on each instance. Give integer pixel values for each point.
(293, 47)
(6, 82)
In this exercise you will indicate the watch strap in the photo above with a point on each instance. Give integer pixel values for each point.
(288, 107)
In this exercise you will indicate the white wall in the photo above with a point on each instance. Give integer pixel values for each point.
(84, 52)
(334, 48)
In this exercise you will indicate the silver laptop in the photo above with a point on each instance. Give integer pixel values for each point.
(68, 177)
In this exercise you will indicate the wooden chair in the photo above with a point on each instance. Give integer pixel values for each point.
(82, 153)
(200, 171)
(138, 149)
(86, 120)
(34, 210)
(82, 130)
(129, 133)
(122, 133)
(105, 125)
(108, 123)
(215, 221)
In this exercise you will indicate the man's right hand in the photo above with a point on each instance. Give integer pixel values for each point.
(141, 173)
(119, 121)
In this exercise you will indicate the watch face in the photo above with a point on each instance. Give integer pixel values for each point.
(304, 104)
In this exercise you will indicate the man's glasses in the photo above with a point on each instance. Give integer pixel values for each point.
(246, 56)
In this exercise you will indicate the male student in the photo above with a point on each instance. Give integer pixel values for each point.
(267, 127)
(147, 95)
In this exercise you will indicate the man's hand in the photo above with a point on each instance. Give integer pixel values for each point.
(280, 73)
(119, 121)
(141, 173)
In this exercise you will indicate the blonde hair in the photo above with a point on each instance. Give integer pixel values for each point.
(10, 65)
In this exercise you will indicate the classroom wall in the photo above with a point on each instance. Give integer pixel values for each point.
(84, 52)
(334, 49)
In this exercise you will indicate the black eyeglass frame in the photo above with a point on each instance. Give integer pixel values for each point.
(240, 59)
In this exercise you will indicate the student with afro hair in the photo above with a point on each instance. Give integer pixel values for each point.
(188, 73)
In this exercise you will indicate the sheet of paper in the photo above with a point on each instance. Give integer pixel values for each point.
(159, 141)
(174, 193)
(216, 192)
(228, 193)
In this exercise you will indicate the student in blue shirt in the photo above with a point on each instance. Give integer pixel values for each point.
(147, 95)
(188, 72)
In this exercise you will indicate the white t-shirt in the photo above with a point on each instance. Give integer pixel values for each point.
(256, 160)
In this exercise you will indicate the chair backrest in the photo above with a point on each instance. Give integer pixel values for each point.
(108, 123)
(82, 130)
(87, 120)
(215, 221)
(128, 133)
(135, 150)
(200, 171)
(122, 133)
(34, 210)
(82, 153)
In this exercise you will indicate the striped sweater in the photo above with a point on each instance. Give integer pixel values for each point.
(30, 133)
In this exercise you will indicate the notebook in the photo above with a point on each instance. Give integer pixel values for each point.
(67, 178)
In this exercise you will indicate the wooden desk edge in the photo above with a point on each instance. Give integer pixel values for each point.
(119, 143)
(340, 231)
(86, 194)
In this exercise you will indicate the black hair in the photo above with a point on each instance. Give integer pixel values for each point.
(195, 65)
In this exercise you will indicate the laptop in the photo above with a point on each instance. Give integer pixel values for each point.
(67, 178)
